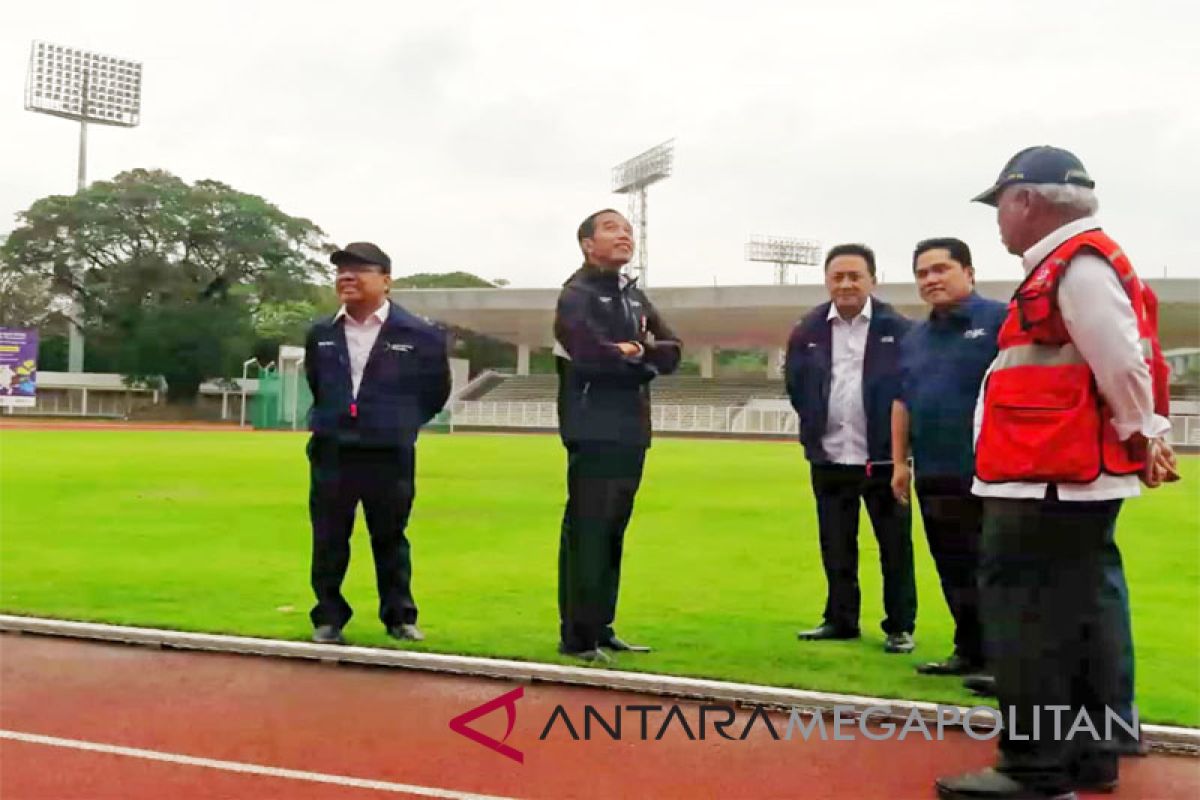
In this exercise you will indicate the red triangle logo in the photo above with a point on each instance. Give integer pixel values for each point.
(507, 701)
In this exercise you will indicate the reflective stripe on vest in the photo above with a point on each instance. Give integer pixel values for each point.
(1037, 355)
(1050, 355)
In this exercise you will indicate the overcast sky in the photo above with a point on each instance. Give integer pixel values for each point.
(475, 136)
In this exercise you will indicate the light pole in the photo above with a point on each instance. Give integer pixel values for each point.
(88, 87)
(783, 252)
(632, 177)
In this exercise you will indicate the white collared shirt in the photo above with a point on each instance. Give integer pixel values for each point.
(1100, 319)
(360, 338)
(845, 439)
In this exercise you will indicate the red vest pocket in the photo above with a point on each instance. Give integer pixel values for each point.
(1033, 417)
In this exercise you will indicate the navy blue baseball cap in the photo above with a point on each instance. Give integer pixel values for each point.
(1041, 164)
(362, 253)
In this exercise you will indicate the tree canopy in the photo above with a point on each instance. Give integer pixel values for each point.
(170, 277)
(179, 280)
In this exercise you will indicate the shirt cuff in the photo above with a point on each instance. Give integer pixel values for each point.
(1151, 428)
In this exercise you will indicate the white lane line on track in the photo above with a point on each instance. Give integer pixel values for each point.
(249, 769)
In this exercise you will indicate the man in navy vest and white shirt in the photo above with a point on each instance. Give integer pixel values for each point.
(843, 372)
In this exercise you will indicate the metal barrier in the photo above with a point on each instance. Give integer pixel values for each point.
(282, 401)
(698, 419)
(478, 413)
(1185, 430)
(544, 415)
(760, 421)
(78, 402)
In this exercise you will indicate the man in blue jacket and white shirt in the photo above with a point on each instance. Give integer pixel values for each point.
(377, 374)
(843, 372)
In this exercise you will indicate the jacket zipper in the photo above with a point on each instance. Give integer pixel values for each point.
(630, 319)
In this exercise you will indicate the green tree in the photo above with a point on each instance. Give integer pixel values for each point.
(53, 351)
(443, 280)
(481, 351)
(285, 321)
(171, 277)
(282, 322)
(25, 298)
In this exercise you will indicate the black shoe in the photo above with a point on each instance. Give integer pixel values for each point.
(1124, 744)
(591, 655)
(992, 785)
(328, 634)
(982, 685)
(1096, 773)
(899, 643)
(406, 632)
(620, 645)
(954, 665)
(827, 631)
(1132, 747)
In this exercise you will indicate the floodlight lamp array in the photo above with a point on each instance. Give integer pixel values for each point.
(784, 250)
(642, 170)
(60, 77)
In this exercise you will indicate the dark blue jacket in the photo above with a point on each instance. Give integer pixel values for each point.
(943, 360)
(603, 396)
(405, 383)
(809, 371)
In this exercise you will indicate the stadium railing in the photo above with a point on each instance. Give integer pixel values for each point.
(1185, 429)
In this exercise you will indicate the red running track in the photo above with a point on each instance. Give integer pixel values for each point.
(342, 723)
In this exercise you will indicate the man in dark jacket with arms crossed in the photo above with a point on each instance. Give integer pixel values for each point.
(610, 343)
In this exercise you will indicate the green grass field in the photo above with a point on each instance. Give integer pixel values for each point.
(209, 532)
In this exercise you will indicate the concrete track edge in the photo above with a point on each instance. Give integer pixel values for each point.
(1161, 738)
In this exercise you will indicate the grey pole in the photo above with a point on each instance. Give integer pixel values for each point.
(643, 256)
(75, 333)
(83, 108)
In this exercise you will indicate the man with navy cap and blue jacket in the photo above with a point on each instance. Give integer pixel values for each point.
(377, 374)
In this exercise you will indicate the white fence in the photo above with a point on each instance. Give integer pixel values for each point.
(1185, 430)
(667, 418)
(83, 402)
(477, 413)
(103, 394)
(749, 419)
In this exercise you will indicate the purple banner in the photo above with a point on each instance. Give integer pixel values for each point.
(18, 366)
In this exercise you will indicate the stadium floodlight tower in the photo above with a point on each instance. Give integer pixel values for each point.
(88, 87)
(632, 178)
(783, 252)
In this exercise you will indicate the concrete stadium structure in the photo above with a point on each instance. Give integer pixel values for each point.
(741, 317)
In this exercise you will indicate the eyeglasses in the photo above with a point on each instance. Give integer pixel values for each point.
(357, 267)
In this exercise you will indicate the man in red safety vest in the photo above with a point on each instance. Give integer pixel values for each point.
(1072, 414)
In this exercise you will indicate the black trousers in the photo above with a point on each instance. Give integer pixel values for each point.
(1056, 632)
(602, 481)
(838, 489)
(953, 520)
(382, 480)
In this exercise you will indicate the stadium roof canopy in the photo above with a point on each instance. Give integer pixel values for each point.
(742, 317)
